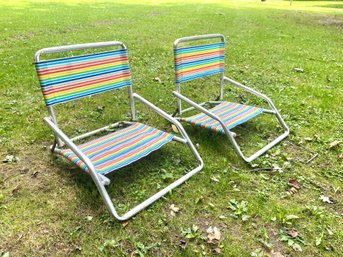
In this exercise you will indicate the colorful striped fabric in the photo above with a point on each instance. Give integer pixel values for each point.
(232, 115)
(198, 61)
(70, 78)
(119, 149)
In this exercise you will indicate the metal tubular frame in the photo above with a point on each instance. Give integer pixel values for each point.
(100, 180)
(230, 135)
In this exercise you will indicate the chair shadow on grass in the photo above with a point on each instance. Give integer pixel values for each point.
(134, 183)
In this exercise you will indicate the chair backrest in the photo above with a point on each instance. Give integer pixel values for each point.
(198, 61)
(70, 78)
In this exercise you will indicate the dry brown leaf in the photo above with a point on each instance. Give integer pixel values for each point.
(292, 232)
(124, 224)
(174, 128)
(213, 234)
(293, 183)
(183, 243)
(334, 144)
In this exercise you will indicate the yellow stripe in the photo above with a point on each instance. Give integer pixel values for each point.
(83, 88)
(198, 52)
(81, 70)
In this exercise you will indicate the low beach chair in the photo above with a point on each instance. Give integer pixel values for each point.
(201, 60)
(70, 78)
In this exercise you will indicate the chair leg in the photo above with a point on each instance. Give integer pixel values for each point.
(109, 204)
(266, 147)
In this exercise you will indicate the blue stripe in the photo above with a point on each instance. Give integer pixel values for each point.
(81, 57)
(199, 62)
(89, 74)
(203, 74)
(88, 93)
(198, 48)
(143, 154)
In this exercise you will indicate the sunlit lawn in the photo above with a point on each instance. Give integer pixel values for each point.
(50, 208)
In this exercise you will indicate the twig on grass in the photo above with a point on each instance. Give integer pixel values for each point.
(312, 158)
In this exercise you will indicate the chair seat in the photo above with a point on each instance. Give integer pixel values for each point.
(232, 115)
(118, 149)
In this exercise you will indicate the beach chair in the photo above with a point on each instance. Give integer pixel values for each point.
(194, 60)
(70, 78)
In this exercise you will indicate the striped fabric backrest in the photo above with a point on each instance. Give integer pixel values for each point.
(198, 61)
(71, 78)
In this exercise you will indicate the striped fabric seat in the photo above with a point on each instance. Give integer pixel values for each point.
(198, 61)
(119, 149)
(70, 78)
(232, 114)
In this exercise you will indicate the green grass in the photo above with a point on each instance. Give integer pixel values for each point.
(48, 207)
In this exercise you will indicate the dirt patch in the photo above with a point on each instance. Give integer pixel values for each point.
(332, 21)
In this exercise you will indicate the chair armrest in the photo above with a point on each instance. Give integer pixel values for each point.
(70, 144)
(202, 109)
(163, 114)
(250, 90)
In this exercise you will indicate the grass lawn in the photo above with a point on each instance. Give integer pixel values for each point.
(50, 208)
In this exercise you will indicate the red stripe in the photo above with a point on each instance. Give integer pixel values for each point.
(132, 127)
(180, 59)
(104, 165)
(117, 140)
(242, 115)
(82, 84)
(220, 65)
(79, 66)
(138, 139)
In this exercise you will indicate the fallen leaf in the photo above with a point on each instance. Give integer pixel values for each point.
(213, 234)
(291, 217)
(125, 224)
(326, 199)
(340, 156)
(34, 174)
(293, 183)
(299, 70)
(10, 159)
(334, 144)
(173, 209)
(215, 179)
(158, 80)
(293, 233)
(89, 218)
(7, 254)
(183, 244)
(174, 128)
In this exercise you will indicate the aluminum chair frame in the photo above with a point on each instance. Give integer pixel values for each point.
(223, 79)
(61, 139)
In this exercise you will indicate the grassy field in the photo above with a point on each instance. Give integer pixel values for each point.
(50, 208)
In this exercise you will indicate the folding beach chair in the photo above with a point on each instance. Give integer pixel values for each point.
(70, 78)
(201, 60)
